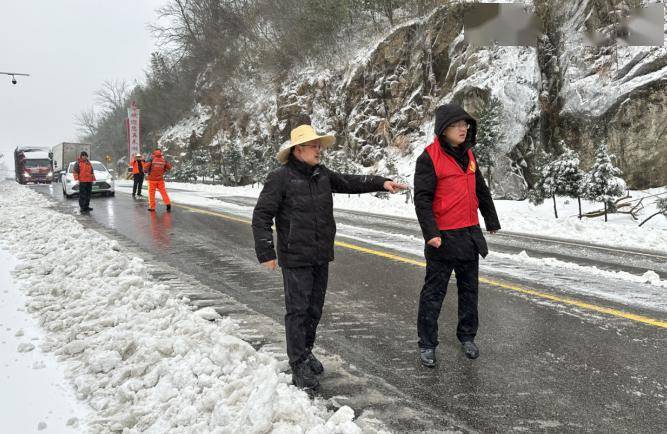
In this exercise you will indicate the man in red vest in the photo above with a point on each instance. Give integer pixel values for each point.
(85, 175)
(449, 189)
(155, 169)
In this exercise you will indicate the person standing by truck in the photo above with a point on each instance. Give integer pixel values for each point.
(155, 169)
(137, 165)
(85, 175)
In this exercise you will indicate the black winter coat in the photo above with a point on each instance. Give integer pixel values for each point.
(300, 199)
(457, 244)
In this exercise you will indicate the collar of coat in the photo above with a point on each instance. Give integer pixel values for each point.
(302, 167)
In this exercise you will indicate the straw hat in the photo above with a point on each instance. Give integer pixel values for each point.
(301, 135)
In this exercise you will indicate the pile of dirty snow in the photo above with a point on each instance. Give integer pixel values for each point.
(140, 358)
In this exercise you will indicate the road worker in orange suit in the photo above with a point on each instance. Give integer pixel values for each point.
(155, 170)
(85, 175)
(137, 166)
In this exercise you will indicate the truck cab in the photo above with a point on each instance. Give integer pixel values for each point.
(33, 165)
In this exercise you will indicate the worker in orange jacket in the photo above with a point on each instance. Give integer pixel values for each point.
(137, 166)
(155, 169)
(85, 175)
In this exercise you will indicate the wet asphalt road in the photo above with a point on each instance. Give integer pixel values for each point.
(544, 366)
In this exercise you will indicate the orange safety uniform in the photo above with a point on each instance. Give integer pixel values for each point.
(83, 171)
(155, 169)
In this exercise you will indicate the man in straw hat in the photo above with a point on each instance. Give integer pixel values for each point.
(299, 196)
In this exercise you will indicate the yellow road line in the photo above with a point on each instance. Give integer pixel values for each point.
(214, 213)
(564, 300)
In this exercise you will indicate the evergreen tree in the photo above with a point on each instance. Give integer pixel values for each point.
(546, 185)
(571, 177)
(489, 134)
(185, 171)
(537, 193)
(201, 162)
(232, 162)
(603, 183)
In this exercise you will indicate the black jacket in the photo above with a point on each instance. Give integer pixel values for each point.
(300, 199)
(464, 243)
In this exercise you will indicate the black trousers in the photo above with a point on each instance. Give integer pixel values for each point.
(85, 190)
(138, 183)
(433, 294)
(305, 288)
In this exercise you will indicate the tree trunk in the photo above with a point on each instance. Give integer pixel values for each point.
(579, 200)
(605, 211)
(555, 210)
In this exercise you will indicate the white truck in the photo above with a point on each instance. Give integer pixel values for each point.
(64, 153)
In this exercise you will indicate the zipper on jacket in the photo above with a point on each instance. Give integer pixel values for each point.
(312, 201)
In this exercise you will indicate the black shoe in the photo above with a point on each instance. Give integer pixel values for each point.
(315, 365)
(89, 209)
(139, 194)
(427, 356)
(303, 377)
(84, 210)
(470, 349)
(169, 208)
(134, 196)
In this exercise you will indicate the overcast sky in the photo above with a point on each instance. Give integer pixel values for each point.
(69, 47)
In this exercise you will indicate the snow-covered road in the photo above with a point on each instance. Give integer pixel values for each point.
(614, 273)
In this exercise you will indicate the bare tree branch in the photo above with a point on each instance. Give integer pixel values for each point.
(87, 122)
(112, 96)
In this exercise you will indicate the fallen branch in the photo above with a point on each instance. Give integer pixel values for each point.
(650, 217)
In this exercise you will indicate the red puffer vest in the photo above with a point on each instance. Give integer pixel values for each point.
(455, 202)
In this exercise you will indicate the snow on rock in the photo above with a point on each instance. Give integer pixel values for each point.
(138, 356)
(180, 133)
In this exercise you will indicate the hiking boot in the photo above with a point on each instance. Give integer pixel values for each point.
(303, 377)
(89, 209)
(169, 208)
(315, 365)
(470, 349)
(427, 356)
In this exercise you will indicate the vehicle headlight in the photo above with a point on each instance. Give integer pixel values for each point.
(27, 175)
(49, 174)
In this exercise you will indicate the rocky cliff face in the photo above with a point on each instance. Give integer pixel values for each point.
(380, 106)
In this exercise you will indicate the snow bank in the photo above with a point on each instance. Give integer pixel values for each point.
(139, 357)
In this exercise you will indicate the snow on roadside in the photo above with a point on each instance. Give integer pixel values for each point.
(515, 216)
(35, 395)
(141, 359)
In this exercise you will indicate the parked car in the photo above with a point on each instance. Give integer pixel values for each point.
(103, 185)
